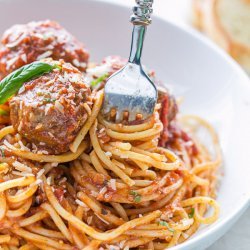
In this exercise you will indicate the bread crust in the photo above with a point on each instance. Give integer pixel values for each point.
(210, 22)
(197, 14)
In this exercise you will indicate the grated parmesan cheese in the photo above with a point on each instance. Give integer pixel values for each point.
(109, 154)
(71, 89)
(123, 156)
(82, 204)
(83, 64)
(21, 90)
(50, 47)
(16, 42)
(34, 147)
(49, 180)
(100, 70)
(122, 244)
(24, 57)
(103, 190)
(66, 76)
(23, 148)
(33, 104)
(61, 79)
(112, 184)
(21, 105)
(59, 106)
(21, 167)
(102, 130)
(89, 220)
(11, 62)
(42, 152)
(189, 143)
(8, 145)
(47, 108)
(75, 78)
(20, 126)
(76, 63)
(38, 35)
(40, 173)
(64, 179)
(185, 222)
(44, 55)
(50, 134)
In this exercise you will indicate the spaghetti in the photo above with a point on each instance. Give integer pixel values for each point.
(116, 189)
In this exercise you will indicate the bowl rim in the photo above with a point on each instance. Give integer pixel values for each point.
(225, 223)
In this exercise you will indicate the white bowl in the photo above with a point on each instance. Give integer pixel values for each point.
(213, 86)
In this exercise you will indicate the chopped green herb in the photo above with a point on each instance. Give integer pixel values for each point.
(165, 224)
(191, 215)
(137, 197)
(2, 152)
(49, 99)
(98, 80)
(3, 112)
(132, 192)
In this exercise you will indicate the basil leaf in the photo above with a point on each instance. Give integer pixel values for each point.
(98, 80)
(191, 215)
(14, 81)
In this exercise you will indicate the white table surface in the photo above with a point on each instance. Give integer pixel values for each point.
(178, 11)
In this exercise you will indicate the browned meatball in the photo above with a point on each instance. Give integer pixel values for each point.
(49, 111)
(23, 44)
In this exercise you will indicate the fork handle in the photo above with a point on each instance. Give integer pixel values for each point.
(140, 19)
(142, 12)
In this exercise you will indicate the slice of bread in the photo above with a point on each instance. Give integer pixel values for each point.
(227, 22)
(198, 14)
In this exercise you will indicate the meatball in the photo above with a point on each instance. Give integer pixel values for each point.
(50, 110)
(23, 44)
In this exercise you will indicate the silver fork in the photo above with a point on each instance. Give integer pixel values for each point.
(129, 93)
